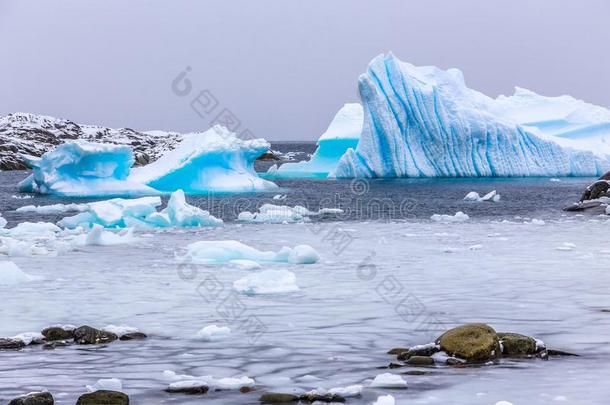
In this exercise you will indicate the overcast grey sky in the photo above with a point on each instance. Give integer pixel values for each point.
(282, 67)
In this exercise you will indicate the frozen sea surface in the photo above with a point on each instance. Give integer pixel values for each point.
(340, 323)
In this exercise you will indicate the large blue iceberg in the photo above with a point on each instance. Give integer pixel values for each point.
(213, 161)
(342, 134)
(81, 168)
(425, 122)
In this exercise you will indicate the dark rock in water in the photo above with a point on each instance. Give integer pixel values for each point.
(245, 390)
(395, 365)
(451, 361)
(57, 333)
(398, 350)
(516, 345)
(314, 397)
(423, 350)
(195, 389)
(34, 398)
(133, 336)
(268, 156)
(606, 176)
(553, 352)
(420, 361)
(86, 335)
(475, 343)
(416, 372)
(54, 344)
(277, 398)
(595, 190)
(586, 205)
(11, 344)
(103, 397)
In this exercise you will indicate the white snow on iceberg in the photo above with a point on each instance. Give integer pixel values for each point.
(84, 169)
(213, 161)
(342, 133)
(141, 213)
(224, 251)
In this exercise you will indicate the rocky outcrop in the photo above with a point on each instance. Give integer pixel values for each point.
(475, 342)
(57, 333)
(516, 345)
(34, 398)
(86, 335)
(595, 198)
(24, 136)
(11, 344)
(103, 397)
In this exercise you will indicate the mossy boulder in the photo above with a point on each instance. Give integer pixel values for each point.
(475, 343)
(86, 335)
(517, 345)
(103, 397)
(398, 350)
(34, 398)
(57, 333)
(278, 398)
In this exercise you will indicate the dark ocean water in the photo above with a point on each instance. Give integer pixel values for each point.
(362, 200)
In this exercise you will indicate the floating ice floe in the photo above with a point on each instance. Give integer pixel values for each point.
(81, 168)
(11, 274)
(227, 383)
(98, 236)
(108, 384)
(213, 161)
(389, 380)
(474, 196)
(141, 213)
(342, 133)
(347, 392)
(213, 332)
(278, 214)
(53, 208)
(280, 197)
(458, 217)
(218, 252)
(267, 282)
(3, 221)
(385, 400)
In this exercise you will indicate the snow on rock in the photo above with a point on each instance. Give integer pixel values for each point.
(425, 122)
(141, 213)
(11, 274)
(223, 251)
(458, 217)
(267, 282)
(213, 332)
(84, 169)
(120, 330)
(389, 380)
(279, 214)
(491, 196)
(342, 133)
(385, 400)
(24, 135)
(109, 384)
(30, 337)
(213, 161)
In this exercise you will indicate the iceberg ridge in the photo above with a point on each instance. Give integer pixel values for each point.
(425, 122)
